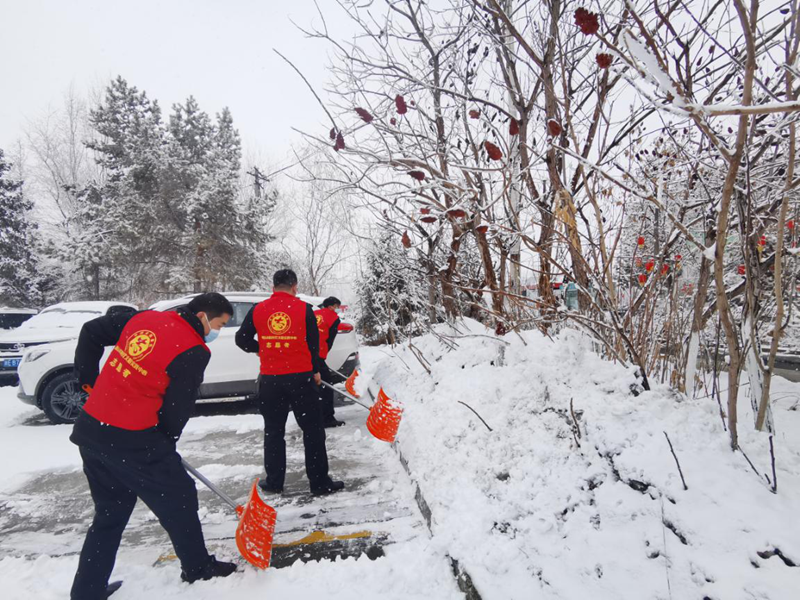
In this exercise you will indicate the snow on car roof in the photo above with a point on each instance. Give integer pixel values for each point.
(100, 306)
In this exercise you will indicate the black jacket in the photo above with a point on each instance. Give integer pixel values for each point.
(185, 376)
(247, 336)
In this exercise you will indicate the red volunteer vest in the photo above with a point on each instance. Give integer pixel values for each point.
(129, 391)
(326, 317)
(280, 322)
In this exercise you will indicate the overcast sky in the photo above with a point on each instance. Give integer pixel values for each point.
(218, 51)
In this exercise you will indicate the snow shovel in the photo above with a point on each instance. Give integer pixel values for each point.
(384, 416)
(256, 522)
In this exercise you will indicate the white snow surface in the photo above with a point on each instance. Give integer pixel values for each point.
(529, 514)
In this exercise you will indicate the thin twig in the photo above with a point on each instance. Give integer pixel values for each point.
(774, 487)
(476, 414)
(752, 466)
(574, 420)
(677, 462)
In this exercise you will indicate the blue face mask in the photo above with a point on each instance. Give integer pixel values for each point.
(212, 333)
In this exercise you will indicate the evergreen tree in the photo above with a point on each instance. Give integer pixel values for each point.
(20, 284)
(392, 293)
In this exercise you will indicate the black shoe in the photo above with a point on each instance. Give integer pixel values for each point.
(112, 587)
(214, 568)
(332, 423)
(330, 488)
(262, 483)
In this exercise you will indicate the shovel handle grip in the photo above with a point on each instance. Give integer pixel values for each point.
(210, 485)
(345, 394)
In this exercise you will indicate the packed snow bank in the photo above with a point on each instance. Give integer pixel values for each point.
(532, 510)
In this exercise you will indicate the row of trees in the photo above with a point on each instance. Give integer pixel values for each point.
(645, 151)
(134, 206)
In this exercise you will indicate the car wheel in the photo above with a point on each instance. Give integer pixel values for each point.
(63, 399)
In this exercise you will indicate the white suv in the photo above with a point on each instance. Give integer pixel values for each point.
(46, 377)
(55, 323)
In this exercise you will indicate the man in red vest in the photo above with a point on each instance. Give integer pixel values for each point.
(137, 408)
(328, 325)
(283, 330)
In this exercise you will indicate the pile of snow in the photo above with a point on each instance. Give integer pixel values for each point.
(532, 510)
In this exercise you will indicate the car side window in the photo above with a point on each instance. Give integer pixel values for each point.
(240, 310)
(120, 310)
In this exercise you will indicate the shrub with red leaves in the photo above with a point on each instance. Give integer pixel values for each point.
(365, 116)
(493, 151)
(587, 21)
(513, 127)
(406, 240)
(400, 104)
(339, 145)
(554, 127)
(418, 175)
(604, 60)
(474, 114)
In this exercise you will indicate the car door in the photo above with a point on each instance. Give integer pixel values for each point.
(231, 371)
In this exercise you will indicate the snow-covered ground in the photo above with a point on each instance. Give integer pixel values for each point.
(535, 508)
(45, 509)
(532, 512)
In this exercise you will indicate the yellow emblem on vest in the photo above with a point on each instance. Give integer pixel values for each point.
(279, 323)
(319, 320)
(140, 344)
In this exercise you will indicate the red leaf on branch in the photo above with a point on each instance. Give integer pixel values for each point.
(400, 104)
(482, 228)
(406, 240)
(642, 279)
(456, 213)
(418, 175)
(587, 21)
(554, 127)
(649, 265)
(429, 219)
(333, 133)
(493, 151)
(339, 145)
(425, 210)
(393, 121)
(474, 114)
(513, 127)
(604, 60)
(412, 103)
(365, 116)
(640, 241)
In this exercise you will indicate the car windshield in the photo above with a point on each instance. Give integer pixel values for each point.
(58, 318)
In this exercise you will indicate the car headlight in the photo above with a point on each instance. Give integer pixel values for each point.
(34, 355)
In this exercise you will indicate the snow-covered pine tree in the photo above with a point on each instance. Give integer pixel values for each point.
(392, 293)
(20, 284)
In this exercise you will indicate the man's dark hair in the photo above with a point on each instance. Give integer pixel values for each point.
(284, 278)
(213, 304)
(331, 301)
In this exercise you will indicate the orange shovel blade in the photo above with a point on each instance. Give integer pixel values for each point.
(384, 418)
(256, 529)
(350, 385)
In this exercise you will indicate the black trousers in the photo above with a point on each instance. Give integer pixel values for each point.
(326, 394)
(116, 479)
(277, 396)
